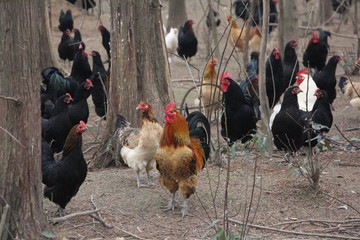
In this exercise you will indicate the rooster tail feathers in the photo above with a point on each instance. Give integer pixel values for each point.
(121, 122)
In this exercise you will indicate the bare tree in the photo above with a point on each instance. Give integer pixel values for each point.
(325, 10)
(287, 23)
(177, 14)
(25, 52)
(139, 68)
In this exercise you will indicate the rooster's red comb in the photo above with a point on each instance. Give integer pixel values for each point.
(82, 123)
(68, 94)
(303, 71)
(170, 106)
(225, 75)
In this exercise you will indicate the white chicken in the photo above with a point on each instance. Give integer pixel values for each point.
(306, 98)
(139, 145)
(171, 40)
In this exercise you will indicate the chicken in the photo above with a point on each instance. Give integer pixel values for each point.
(81, 68)
(351, 91)
(210, 94)
(56, 128)
(237, 37)
(139, 145)
(317, 50)
(287, 128)
(179, 158)
(326, 79)
(66, 21)
(238, 121)
(274, 79)
(306, 98)
(216, 18)
(77, 40)
(199, 127)
(171, 40)
(79, 109)
(98, 94)
(85, 4)
(187, 41)
(64, 177)
(290, 64)
(243, 7)
(321, 116)
(105, 34)
(65, 48)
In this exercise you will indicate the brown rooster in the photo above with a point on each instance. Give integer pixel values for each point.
(139, 145)
(179, 158)
(237, 36)
(210, 93)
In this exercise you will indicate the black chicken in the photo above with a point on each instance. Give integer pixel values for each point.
(274, 77)
(81, 68)
(77, 40)
(98, 94)
(290, 64)
(64, 177)
(65, 48)
(105, 34)
(288, 126)
(56, 128)
(317, 50)
(187, 41)
(321, 116)
(326, 79)
(238, 121)
(66, 21)
(199, 127)
(79, 109)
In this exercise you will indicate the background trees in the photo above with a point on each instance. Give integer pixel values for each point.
(25, 48)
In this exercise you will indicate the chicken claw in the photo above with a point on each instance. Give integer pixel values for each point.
(171, 205)
(184, 209)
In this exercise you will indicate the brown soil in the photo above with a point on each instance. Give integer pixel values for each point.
(280, 194)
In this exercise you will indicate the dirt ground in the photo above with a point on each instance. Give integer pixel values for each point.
(264, 190)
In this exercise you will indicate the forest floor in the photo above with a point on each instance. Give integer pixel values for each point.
(268, 194)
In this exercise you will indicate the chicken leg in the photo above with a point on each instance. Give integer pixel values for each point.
(184, 209)
(171, 205)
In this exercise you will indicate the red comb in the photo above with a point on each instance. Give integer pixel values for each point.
(89, 81)
(225, 75)
(303, 71)
(82, 123)
(170, 106)
(68, 94)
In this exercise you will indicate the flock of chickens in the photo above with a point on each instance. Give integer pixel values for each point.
(180, 148)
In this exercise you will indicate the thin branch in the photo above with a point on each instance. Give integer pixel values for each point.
(3, 218)
(293, 232)
(332, 33)
(317, 220)
(342, 202)
(129, 233)
(12, 136)
(72, 215)
(16, 100)
(345, 137)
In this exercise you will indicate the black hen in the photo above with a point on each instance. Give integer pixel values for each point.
(56, 128)
(317, 50)
(290, 64)
(238, 121)
(274, 77)
(79, 109)
(326, 79)
(81, 68)
(65, 48)
(98, 93)
(187, 41)
(66, 21)
(199, 127)
(77, 40)
(105, 34)
(288, 126)
(64, 177)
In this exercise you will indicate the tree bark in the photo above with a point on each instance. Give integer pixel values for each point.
(177, 11)
(139, 68)
(325, 10)
(25, 52)
(264, 107)
(287, 23)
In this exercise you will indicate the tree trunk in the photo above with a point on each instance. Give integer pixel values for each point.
(325, 10)
(139, 69)
(287, 23)
(177, 13)
(25, 52)
(264, 107)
